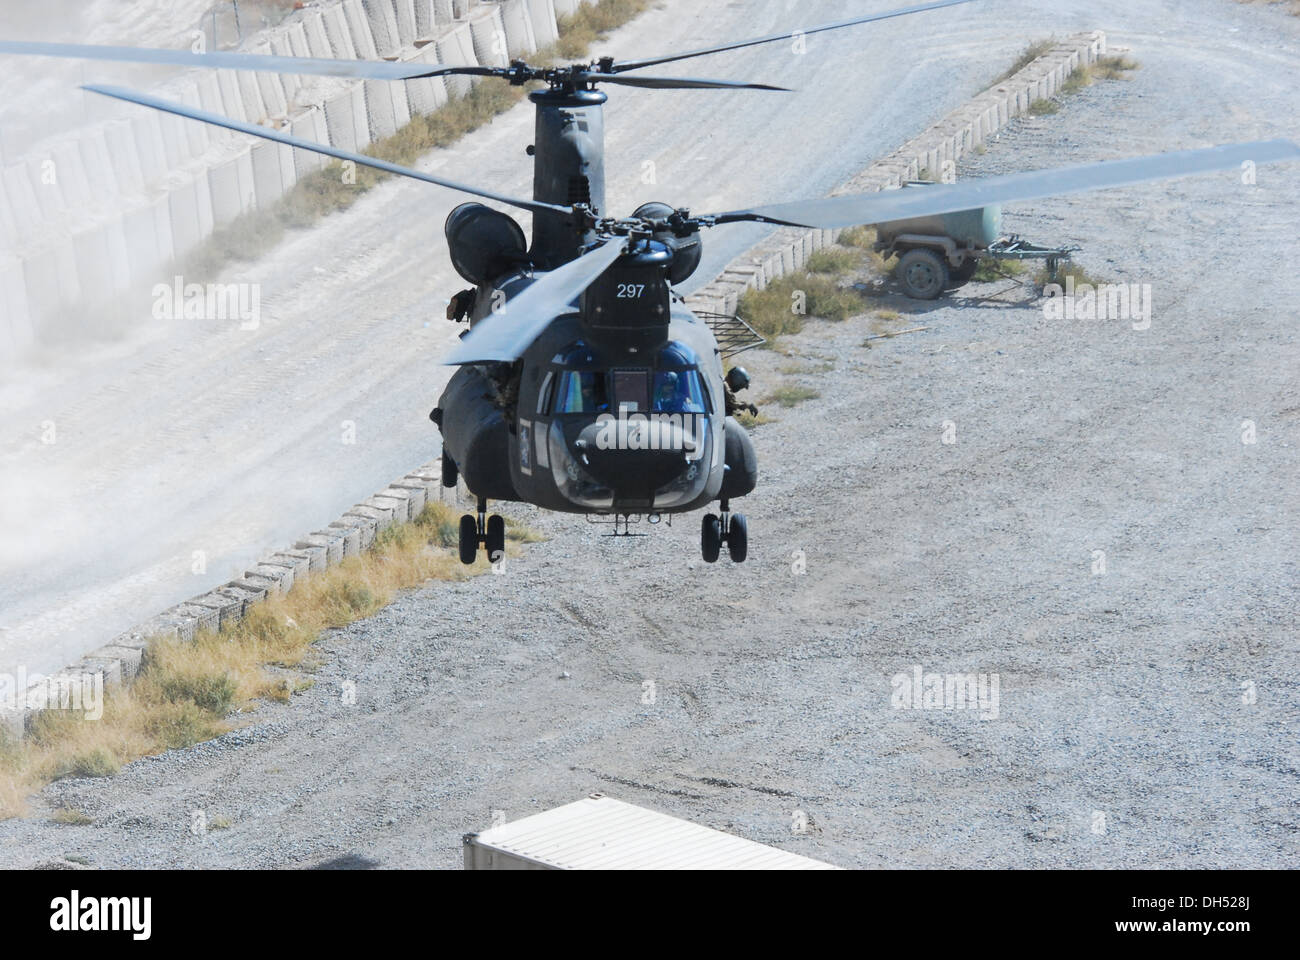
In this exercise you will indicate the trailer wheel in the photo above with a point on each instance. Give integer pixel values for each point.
(960, 276)
(924, 274)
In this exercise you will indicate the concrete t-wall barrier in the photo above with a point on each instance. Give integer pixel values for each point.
(935, 151)
(139, 159)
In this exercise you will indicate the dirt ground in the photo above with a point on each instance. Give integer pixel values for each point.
(1097, 536)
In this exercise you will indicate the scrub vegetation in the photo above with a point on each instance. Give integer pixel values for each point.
(789, 395)
(825, 288)
(1027, 56)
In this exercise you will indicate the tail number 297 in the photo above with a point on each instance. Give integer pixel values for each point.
(630, 291)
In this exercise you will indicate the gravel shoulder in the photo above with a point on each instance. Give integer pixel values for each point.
(1121, 694)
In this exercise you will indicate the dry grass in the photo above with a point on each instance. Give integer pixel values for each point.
(834, 260)
(803, 368)
(1116, 67)
(190, 692)
(857, 238)
(1113, 67)
(1079, 78)
(989, 269)
(819, 289)
(789, 395)
(774, 310)
(590, 23)
(864, 239)
(1067, 269)
(1027, 56)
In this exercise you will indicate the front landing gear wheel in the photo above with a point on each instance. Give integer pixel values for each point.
(468, 539)
(710, 538)
(738, 538)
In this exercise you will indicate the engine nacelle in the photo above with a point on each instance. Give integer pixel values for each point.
(484, 243)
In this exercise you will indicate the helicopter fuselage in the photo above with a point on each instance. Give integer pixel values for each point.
(618, 406)
(585, 425)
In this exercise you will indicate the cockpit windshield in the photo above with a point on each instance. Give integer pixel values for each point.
(678, 391)
(674, 385)
(582, 391)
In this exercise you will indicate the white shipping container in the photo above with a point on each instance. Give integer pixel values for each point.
(601, 833)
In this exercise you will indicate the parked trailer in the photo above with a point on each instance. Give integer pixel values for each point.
(601, 833)
(942, 252)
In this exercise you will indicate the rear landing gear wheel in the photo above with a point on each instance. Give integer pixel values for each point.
(733, 530)
(468, 539)
(495, 540)
(738, 538)
(449, 471)
(485, 530)
(710, 538)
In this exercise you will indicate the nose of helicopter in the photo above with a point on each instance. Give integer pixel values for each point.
(638, 457)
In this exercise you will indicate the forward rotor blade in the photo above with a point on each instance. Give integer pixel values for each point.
(674, 83)
(920, 8)
(886, 205)
(503, 337)
(365, 69)
(267, 133)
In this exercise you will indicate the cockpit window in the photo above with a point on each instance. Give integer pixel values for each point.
(632, 390)
(678, 391)
(581, 391)
(676, 356)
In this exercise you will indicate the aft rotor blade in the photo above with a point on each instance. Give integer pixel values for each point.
(267, 133)
(886, 205)
(503, 337)
(624, 65)
(365, 69)
(674, 83)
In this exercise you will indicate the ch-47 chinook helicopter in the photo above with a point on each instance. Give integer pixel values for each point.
(584, 384)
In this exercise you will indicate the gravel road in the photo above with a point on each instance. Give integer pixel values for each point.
(1146, 714)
